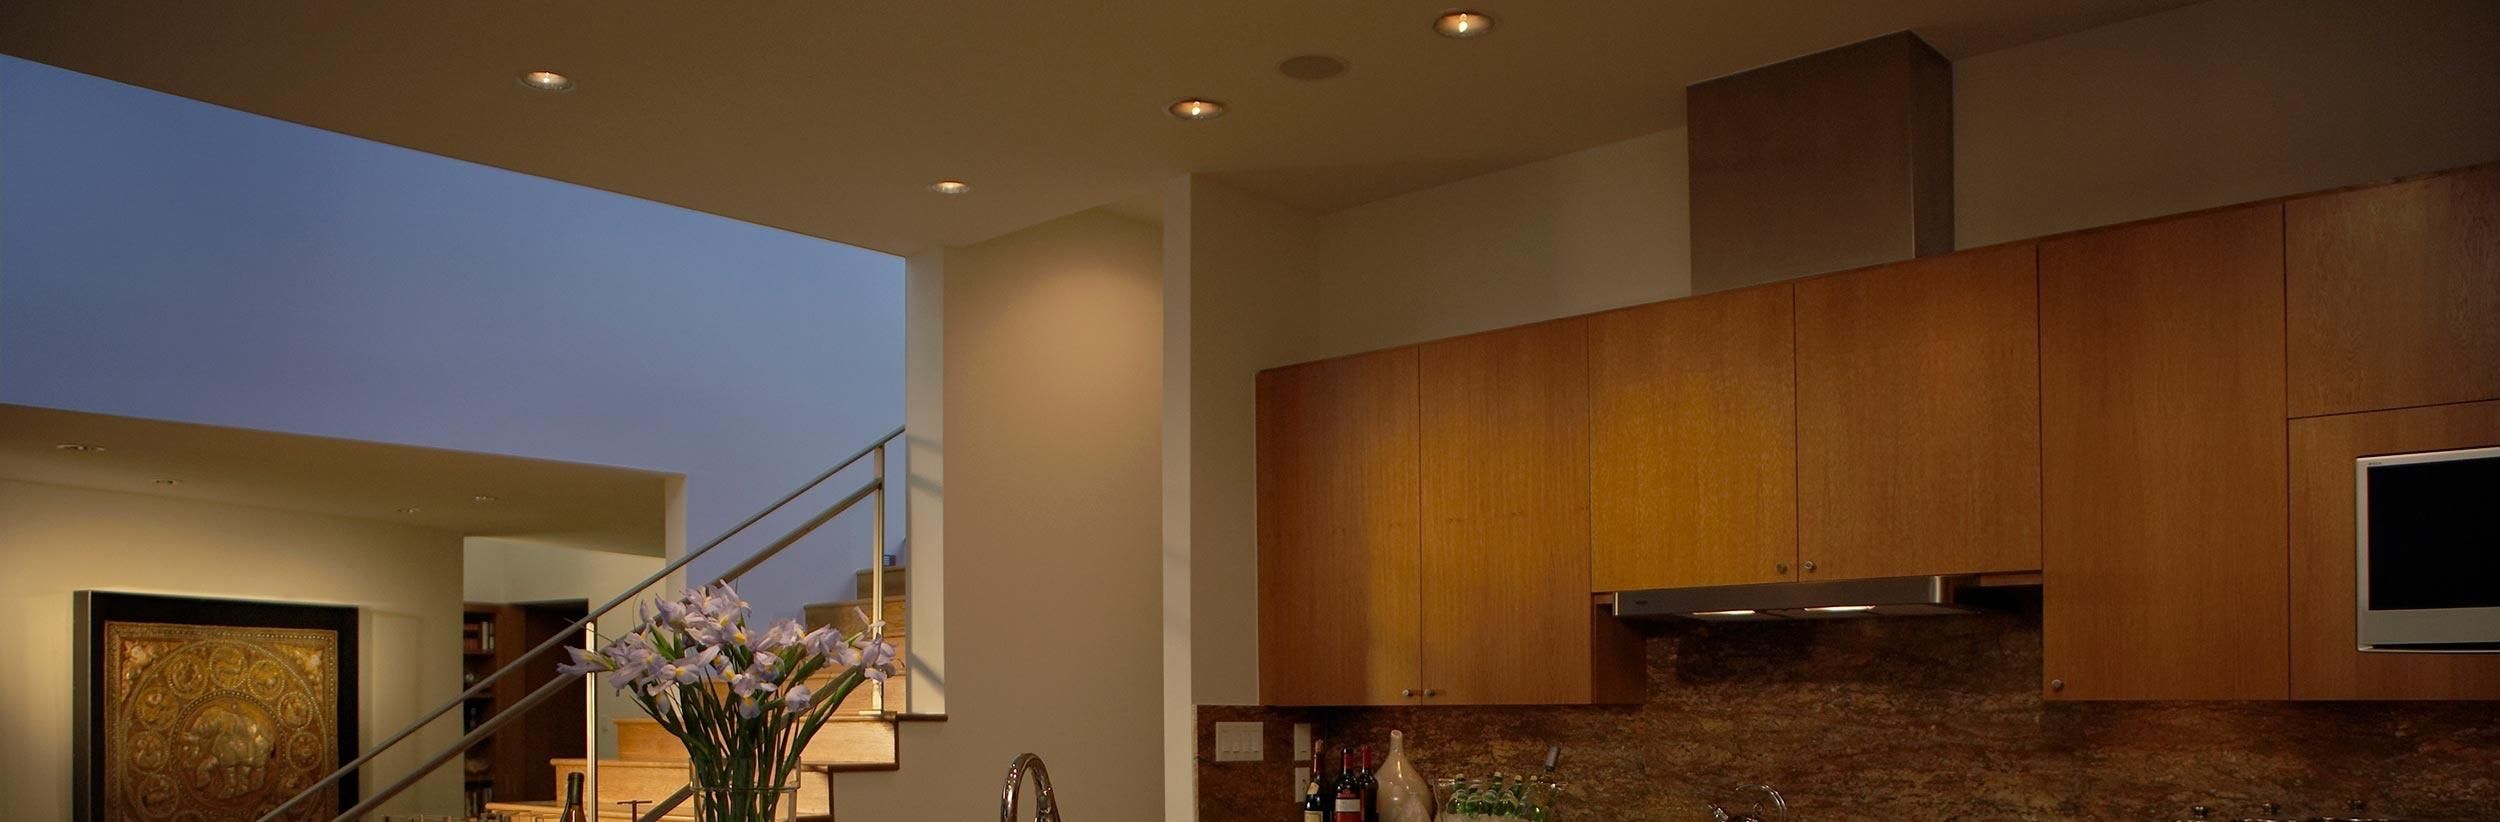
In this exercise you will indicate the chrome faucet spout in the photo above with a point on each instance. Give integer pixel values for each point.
(1045, 803)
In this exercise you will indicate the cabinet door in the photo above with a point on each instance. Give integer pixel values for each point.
(1918, 418)
(2165, 564)
(1507, 616)
(1693, 417)
(2325, 664)
(1337, 492)
(2395, 294)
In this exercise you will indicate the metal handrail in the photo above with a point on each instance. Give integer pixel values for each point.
(503, 717)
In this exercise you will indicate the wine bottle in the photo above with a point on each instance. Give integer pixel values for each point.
(1349, 802)
(573, 799)
(1366, 783)
(1317, 795)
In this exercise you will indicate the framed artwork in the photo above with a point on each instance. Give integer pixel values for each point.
(210, 709)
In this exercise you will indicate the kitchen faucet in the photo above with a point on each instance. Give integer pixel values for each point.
(1045, 804)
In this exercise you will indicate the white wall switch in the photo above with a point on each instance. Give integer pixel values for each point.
(1239, 741)
(1301, 740)
(1301, 783)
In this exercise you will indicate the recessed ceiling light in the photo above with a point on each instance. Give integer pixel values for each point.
(169, 482)
(951, 187)
(1195, 108)
(482, 498)
(546, 81)
(79, 448)
(411, 510)
(1311, 67)
(1463, 24)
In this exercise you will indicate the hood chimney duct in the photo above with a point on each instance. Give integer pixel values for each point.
(1835, 160)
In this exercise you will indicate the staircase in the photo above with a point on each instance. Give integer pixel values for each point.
(650, 763)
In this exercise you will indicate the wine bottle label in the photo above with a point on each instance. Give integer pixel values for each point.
(1314, 816)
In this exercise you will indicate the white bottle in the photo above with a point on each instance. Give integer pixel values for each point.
(1405, 796)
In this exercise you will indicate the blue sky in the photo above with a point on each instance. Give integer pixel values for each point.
(165, 258)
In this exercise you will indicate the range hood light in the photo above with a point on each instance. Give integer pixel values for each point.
(1894, 596)
(1842, 609)
(1741, 612)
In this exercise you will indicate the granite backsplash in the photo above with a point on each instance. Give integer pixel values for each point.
(1934, 718)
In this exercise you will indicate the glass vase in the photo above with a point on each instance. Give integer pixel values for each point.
(746, 804)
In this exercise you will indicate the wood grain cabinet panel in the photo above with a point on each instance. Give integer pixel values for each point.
(2395, 294)
(1694, 418)
(2163, 460)
(1507, 617)
(1338, 450)
(2325, 663)
(1918, 418)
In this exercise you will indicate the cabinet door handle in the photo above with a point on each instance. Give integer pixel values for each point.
(1809, 566)
(1407, 692)
(1783, 567)
(1431, 693)
(2057, 685)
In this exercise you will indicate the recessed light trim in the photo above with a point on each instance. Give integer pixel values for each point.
(482, 498)
(79, 448)
(547, 81)
(951, 187)
(412, 510)
(1462, 24)
(1196, 108)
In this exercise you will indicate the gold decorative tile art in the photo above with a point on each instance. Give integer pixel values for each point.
(206, 723)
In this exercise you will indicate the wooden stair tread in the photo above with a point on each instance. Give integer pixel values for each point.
(845, 743)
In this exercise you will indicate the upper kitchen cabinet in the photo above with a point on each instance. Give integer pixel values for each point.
(2325, 662)
(1338, 445)
(2165, 562)
(1692, 406)
(2394, 294)
(1918, 418)
(1507, 617)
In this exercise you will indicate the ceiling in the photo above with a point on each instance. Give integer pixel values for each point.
(833, 118)
(589, 506)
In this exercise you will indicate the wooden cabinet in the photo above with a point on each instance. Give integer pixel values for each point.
(1506, 614)
(1692, 409)
(1337, 473)
(2394, 294)
(2325, 664)
(1918, 418)
(2165, 560)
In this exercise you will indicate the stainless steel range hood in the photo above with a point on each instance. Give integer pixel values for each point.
(1897, 596)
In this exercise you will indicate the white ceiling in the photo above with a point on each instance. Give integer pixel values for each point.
(589, 506)
(832, 118)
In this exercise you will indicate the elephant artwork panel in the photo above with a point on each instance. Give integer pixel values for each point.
(211, 710)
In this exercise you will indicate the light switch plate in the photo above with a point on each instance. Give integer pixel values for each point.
(1301, 783)
(1301, 740)
(1239, 741)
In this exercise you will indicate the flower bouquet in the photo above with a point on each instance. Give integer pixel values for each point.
(737, 698)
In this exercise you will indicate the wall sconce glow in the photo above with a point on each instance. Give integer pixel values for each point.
(1841, 609)
(950, 187)
(1723, 613)
(1460, 25)
(1196, 108)
(547, 81)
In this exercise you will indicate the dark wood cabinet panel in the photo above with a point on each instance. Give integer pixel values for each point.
(1338, 446)
(1694, 416)
(1918, 418)
(1506, 616)
(2394, 294)
(2325, 663)
(2163, 460)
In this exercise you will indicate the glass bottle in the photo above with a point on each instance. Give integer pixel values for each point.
(1404, 795)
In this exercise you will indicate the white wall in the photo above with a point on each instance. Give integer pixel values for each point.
(516, 571)
(404, 581)
(2219, 103)
(1584, 232)
(1237, 279)
(1052, 403)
